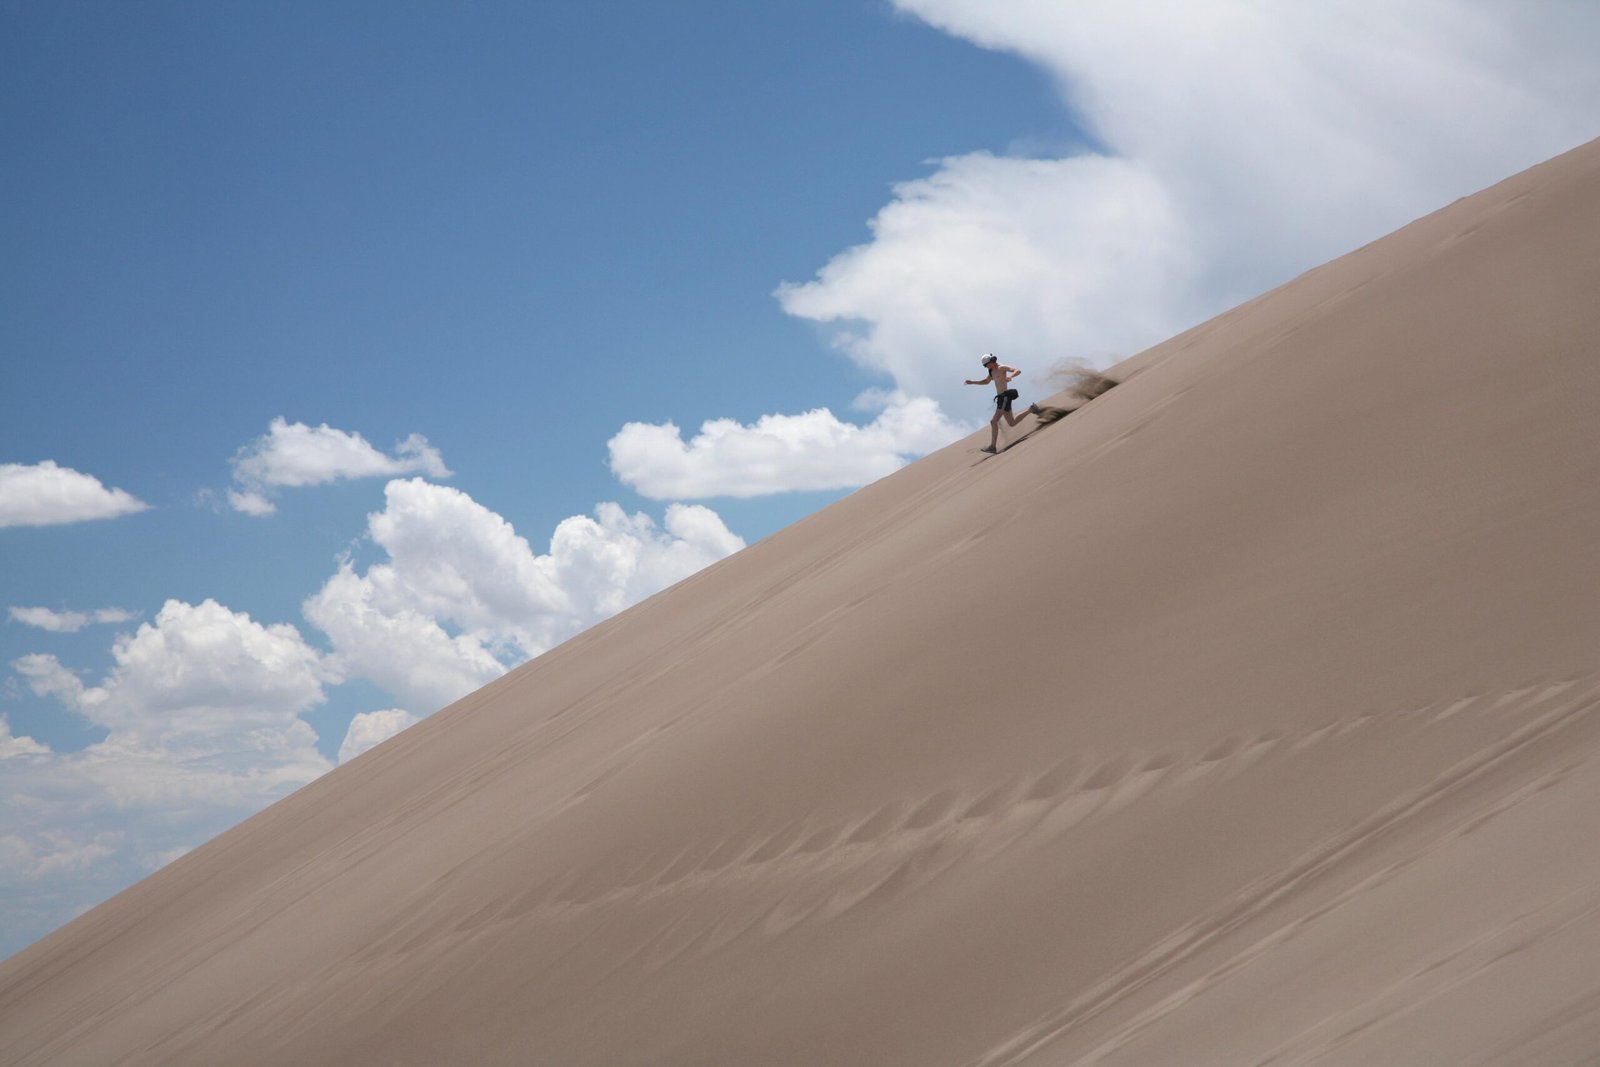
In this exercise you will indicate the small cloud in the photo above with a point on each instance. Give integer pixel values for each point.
(45, 494)
(371, 728)
(154, 861)
(67, 622)
(293, 455)
(12, 746)
(61, 854)
(251, 503)
(778, 453)
(46, 676)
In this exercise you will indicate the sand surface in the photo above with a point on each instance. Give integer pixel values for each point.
(1248, 715)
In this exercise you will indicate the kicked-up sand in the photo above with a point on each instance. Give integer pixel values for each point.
(1250, 715)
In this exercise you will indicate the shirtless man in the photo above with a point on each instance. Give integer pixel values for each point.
(1001, 376)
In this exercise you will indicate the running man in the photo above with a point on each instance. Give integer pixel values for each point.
(1001, 376)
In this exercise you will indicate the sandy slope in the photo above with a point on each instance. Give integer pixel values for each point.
(1248, 715)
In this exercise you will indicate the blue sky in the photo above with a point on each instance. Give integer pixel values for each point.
(359, 306)
(508, 227)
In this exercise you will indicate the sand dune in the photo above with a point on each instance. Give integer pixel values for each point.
(1250, 715)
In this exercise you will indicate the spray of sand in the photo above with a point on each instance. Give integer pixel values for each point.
(1079, 381)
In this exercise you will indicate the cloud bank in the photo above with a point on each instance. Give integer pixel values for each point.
(1240, 144)
(1237, 144)
(46, 494)
(292, 454)
(202, 708)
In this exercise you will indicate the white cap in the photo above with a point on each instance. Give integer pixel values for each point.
(988, 358)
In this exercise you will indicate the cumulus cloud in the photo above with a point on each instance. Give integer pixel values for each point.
(1015, 256)
(1240, 143)
(202, 712)
(776, 453)
(292, 454)
(67, 622)
(402, 649)
(204, 702)
(45, 494)
(201, 709)
(462, 595)
(372, 728)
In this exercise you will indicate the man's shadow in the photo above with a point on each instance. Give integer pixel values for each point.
(1048, 416)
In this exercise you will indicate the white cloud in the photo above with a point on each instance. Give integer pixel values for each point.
(202, 706)
(47, 677)
(292, 454)
(372, 728)
(1015, 256)
(67, 622)
(198, 670)
(12, 746)
(776, 453)
(201, 710)
(462, 595)
(1242, 143)
(62, 854)
(251, 502)
(400, 648)
(53, 853)
(44, 494)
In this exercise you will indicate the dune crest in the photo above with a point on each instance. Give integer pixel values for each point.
(1249, 716)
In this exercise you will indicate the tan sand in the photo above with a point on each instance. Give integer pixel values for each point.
(1248, 715)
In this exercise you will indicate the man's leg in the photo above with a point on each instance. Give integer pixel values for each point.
(1013, 419)
(994, 431)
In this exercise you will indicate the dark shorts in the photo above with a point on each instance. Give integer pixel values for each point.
(1002, 401)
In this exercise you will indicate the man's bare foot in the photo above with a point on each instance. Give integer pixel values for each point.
(991, 450)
